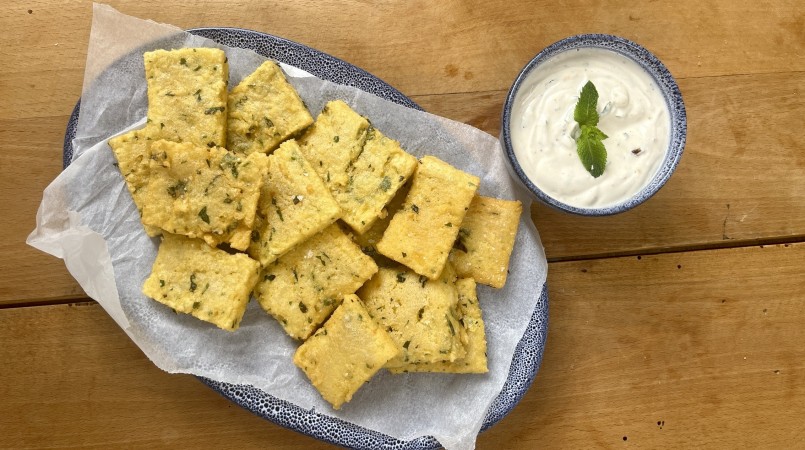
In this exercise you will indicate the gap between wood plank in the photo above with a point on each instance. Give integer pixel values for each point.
(725, 244)
(678, 79)
(729, 244)
(77, 301)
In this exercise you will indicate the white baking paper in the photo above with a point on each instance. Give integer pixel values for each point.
(88, 219)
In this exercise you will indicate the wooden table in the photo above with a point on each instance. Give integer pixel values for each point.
(679, 323)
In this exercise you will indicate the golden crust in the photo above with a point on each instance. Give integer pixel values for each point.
(486, 240)
(470, 320)
(422, 233)
(369, 239)
(333, 142)
(374, 177)
(294, 205)
(419, 314)
(201, 192)
(187, 92)
(191, 277)
(130, 152)
(302, 287)
(345, 353)
(362, 168)
(264, 110)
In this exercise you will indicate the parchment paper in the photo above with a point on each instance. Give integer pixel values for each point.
(87, 218)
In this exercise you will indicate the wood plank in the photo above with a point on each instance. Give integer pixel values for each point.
(71, 378)
(738, 130)
(703, 204)
(686, 349)
(479, 42)
(40, 84)
(695, 349)
(452, 46)
(30, 162)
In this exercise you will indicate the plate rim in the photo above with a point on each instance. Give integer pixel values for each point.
(530, 364)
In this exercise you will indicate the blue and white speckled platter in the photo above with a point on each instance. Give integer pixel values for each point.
(527, 355)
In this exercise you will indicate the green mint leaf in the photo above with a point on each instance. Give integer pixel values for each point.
(585, 113)
(589, 143)
(591, 150)
(592, 132)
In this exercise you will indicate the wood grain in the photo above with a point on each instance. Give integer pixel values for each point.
(703, 204)
(695, 349)
(459, 64)
(72, 362)
(30, 161)
(739, 179)
(676, 350)
(737, 183)
(40, 81)
(457, 46)
(678, 347)
(739, 128)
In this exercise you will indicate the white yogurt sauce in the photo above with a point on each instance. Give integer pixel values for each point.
(633, 113)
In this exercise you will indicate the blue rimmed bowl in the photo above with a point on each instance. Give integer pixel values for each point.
(667, 86)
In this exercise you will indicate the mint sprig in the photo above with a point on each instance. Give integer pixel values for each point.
(589, 143)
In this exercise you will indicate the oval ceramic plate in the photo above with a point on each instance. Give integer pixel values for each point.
(527, 355)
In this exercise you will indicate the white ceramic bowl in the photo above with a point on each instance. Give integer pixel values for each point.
(667, 86)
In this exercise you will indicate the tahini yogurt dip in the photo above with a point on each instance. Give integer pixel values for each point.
(633, 113)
